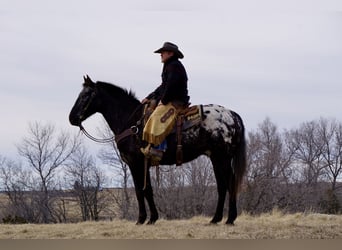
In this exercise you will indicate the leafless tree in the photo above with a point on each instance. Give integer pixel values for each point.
(45, 151)
(317, 160)
(87, 180)
(309, 151)
(186, 190)
(17, 183)
(309, 160)
(268, 169)
(110, 156)
(330, 133)
(199, 176)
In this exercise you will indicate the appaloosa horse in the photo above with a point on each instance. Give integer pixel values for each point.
(220, 136)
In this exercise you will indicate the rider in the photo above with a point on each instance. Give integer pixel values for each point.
(170, 96)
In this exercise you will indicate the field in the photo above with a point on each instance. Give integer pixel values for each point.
(275, 225)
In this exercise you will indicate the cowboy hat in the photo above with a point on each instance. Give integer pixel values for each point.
(167, 46)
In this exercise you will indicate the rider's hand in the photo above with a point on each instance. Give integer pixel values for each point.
(145, 100)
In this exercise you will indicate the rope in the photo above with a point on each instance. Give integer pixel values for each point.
(99, 140)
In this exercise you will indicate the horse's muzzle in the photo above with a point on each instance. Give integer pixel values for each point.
(74, 120)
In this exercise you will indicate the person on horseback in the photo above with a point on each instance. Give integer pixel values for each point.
(166, 100)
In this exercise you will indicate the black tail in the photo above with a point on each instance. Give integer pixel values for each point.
(239, 158)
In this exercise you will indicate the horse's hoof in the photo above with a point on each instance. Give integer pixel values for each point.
(230, 223)
(150, 222)
(215, 220)
(140, 221)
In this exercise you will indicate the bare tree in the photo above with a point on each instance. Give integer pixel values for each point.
(110, 156)
(87, 181)
(330, 133)
(45, 152)
(16, 182)
(309, 151)
(199, 176)
(169, 193)
(309, 160)
(267, 171)
(187, 190)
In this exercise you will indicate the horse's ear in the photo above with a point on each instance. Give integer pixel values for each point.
(88, 81)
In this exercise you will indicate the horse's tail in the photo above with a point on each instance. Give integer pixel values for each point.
(239, 158)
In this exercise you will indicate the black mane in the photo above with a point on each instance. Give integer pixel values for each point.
(115, 90)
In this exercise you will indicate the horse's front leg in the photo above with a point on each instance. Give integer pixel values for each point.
(138, 174)
(142, 210)
(148, 192)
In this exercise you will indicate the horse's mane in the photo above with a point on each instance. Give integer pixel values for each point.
(115, 90)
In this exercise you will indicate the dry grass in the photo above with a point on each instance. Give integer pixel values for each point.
(275, 225)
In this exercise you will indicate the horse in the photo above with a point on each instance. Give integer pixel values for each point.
(220, 136)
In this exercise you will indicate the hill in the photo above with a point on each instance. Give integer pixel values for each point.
(275, 225)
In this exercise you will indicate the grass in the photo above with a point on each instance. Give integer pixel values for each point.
(275, 225)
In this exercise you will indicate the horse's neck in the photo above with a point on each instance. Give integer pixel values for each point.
(119, 116)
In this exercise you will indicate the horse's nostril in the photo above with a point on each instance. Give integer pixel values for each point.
(74, 120)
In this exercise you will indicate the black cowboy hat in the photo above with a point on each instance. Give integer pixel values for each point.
(167, 46)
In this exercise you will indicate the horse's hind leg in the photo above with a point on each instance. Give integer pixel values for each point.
(232, 212)
(219, 170)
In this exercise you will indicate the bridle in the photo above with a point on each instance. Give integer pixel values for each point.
(133, 130)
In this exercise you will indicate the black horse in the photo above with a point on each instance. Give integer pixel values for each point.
(220, 136)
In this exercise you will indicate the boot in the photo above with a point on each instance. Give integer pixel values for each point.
(155, 154)
(146, 150)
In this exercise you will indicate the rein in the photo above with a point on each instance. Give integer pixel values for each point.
(133, 130)
(104, 140)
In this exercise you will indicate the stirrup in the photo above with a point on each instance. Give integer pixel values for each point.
(150, 152)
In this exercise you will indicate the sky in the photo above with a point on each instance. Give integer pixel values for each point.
(276, 59)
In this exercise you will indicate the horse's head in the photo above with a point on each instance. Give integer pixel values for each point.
(85, 104)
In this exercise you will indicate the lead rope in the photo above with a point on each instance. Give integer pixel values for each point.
(158, 176)
(145, 172)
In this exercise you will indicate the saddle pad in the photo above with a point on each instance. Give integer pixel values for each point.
(193, 115)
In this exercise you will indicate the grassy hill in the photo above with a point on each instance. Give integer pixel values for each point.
(275, 225)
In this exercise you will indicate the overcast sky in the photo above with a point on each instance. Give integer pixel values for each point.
(276, 59)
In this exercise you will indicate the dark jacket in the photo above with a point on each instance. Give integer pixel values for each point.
(174, 86)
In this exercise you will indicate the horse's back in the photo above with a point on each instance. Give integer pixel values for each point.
(221, 122)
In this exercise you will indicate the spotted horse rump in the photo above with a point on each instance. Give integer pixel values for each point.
(218, 125)
(220, 122)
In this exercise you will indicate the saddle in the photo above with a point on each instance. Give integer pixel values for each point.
(186, 118)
